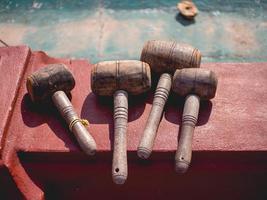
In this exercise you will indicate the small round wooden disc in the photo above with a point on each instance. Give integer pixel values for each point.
(187, 9)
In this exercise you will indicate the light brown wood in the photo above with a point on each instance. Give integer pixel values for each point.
(118, 78)
(194, 84)
(52, 82)
(43, 83)
(167, 56)
(161, 95)
(132, 76)
(190, 115)
(163, 57)
(202, 82)
(64, 106)
(119, 164)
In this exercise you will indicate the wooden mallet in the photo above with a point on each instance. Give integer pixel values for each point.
(164, 58)
(118, 78)
(54, 82)
(193, 84)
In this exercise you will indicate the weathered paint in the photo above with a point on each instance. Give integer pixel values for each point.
(224, 31)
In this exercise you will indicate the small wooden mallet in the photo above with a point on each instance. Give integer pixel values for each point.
(118, 78)
(54, 82)
(164, 58)
(193, 84)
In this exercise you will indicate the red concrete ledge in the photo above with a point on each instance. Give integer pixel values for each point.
(8, 189)
(230, 142)
(13, 62)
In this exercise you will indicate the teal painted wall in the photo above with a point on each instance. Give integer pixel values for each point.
(224, 31)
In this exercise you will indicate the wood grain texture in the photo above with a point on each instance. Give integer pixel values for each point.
(189, 120)
(202, 82)
(43, 83)
(130, 75)
(167, 56)
(163, 56)
(84, 138)
(119, 78)
(52, 82)
(230, 138)
(160, 98)
(194, 84)
(119, 163)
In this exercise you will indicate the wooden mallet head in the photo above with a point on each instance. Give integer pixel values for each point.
(194, 84)
(43, 83)
(164, 57)
(201, 82)
(53, 82)
(118, 78)
(168, 56)
(129, 75)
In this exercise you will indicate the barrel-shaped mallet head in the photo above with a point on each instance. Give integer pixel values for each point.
(132, 76)
(52, 82)
(201, 82)
(42, 84)
(168, 56)
(194, 84)
(164, 57)
(118, 78)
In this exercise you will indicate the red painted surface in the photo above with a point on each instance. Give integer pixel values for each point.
(8, 189)
(230, 143)
(12, 64)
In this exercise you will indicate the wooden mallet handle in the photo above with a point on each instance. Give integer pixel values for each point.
(64, 106)
(161, 95)
(119, 164)
(190, 116)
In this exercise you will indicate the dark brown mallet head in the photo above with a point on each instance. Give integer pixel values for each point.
(167, 56)
(52, 82)
(194, 84)
(42, 84)
(130, 75)
(201, 82)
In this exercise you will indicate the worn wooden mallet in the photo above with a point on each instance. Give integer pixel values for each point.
(55, 81)
(193, 84)
(164, 58)
(118, 78)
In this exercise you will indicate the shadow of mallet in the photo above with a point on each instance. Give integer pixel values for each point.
(164, 57)
(193, 84)
(118, 78)
(54, 82)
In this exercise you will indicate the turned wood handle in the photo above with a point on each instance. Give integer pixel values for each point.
(64, 106)
(190, 116)
(161, 95)
(119, 164)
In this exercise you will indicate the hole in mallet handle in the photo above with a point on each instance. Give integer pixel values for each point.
(119, 164)
(190, 116)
